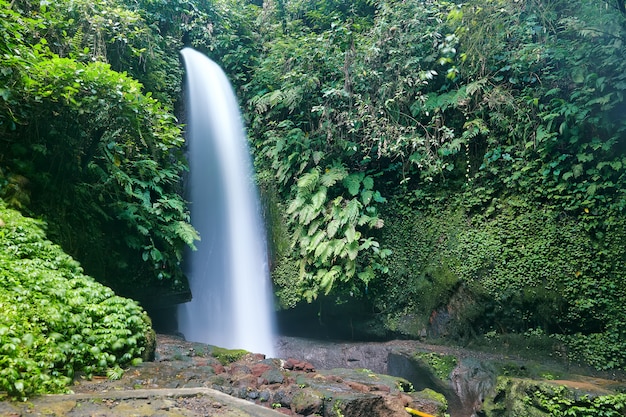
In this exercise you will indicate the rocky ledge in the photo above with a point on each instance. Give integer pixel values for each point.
(190, 379)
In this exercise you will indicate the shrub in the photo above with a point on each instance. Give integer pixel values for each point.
(55, 320)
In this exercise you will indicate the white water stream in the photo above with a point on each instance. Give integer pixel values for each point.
(228, 274)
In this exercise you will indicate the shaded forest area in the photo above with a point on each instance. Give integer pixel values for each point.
(457, 168)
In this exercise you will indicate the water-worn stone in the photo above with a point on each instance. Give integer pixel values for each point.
(273, 376)
(307, 402)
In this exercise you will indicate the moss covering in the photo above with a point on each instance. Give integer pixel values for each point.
(226, 356)
(442, 365)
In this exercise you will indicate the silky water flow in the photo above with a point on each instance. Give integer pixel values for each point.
(228, 274)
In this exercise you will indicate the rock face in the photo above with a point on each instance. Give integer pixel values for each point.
(464, 386)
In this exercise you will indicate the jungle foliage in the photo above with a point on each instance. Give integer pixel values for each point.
(491, 137)
(457, 166)
(57, 322)
(97, 156)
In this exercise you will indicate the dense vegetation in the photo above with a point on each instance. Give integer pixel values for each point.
(56, 321)
(457, 167)
(460, 167)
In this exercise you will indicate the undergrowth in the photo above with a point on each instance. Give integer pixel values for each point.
(55, 320)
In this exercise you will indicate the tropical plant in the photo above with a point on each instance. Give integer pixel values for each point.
(103, 160)
(56, 321)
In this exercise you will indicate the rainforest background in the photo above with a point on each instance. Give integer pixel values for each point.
(439, 169)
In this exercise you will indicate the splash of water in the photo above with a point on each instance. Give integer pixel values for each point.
(228, 274)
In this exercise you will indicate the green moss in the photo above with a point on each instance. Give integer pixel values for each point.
(442, 365)
(429, 394)
(226, 356)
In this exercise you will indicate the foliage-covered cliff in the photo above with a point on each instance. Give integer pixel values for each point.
(457, 167)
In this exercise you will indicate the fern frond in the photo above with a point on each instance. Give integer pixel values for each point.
(334, 174)
(309, 181)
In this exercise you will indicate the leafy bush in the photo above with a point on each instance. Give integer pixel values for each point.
(55, 320)
(103, 161)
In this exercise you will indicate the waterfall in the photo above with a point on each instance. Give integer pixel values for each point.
(228, 273)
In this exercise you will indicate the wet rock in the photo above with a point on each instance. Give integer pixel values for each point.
(307, 402)
(296, 365)
(273, 376)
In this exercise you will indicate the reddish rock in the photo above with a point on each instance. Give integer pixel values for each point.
(296, 365)
(237, 368)
(382, 388)
(259, 368)
(249, 381)
(358, 386)
(218, 368)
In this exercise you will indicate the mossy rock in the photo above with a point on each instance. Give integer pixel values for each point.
(520, 397)
(307, 402)
(431, 401)
(441, 365)
(149, 353)
(226, 356)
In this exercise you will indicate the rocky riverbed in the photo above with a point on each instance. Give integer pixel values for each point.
(194, 379)
(310, 379)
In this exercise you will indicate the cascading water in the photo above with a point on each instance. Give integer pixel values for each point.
(228, 274)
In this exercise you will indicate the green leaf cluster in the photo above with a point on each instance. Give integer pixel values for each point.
(327, 229)
(559, 404)
(56, 321)
(103, 159)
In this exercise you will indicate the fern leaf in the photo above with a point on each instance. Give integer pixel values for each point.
(332, 228)
(352, 235)
(319, 198)
(353, 250)
(295, 205)
(352, 210)
(315, 241)
(328, 278)
(309, 181)
(186, 233)
(320, 250)
(334, 174)
(338, 247)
